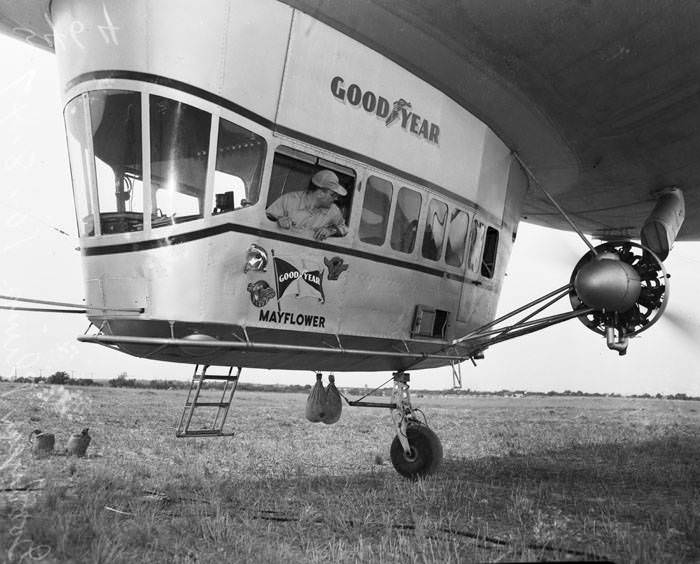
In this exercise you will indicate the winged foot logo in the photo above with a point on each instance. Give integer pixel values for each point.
(401, 110)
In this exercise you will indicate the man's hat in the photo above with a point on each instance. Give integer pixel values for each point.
(328, 180)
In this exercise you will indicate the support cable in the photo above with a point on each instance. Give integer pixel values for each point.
(555, 204)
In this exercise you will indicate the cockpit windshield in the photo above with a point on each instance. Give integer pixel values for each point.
(115, 118)
(105, 145)
(179, 153)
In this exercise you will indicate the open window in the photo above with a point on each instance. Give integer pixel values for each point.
(430, 322)
(488, 262)
(290, 181)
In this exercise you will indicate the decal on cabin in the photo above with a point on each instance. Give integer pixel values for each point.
(291, 318)
(336, 266)
(305, 283)
(260, 293)
(400, 110)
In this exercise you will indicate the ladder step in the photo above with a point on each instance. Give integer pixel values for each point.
(207, 404)
(200, 378)
(204, 433)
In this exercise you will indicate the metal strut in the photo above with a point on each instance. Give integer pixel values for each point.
(403, 412)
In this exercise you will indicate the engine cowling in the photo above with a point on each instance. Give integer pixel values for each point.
(626, 285)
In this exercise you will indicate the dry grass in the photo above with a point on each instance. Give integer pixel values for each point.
(523, 479)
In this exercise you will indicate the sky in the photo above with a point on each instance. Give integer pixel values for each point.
(38, 259)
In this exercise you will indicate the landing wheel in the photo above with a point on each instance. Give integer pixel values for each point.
(425, 456)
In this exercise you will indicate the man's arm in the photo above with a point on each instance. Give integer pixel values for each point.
(277, 211)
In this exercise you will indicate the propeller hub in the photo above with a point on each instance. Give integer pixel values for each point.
(608, 283)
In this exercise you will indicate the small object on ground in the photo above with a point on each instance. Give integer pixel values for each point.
(78, 443)
(42, 443)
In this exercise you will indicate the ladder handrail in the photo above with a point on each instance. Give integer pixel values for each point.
(199, 376)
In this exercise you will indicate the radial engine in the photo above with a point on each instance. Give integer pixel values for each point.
(627, 286)
(624, 282)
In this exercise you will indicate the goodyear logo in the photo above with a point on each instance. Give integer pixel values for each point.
(400, 111)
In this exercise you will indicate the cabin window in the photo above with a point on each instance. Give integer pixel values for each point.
(476, 242)
(488, 263)
(375, 210)
(434, 235)
(179, 153)
(291, 202)
(240, 155)
(77, 132)
(457, 238)
(403, 231)
(115, 117)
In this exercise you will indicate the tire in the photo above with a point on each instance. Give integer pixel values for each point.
(426, 451)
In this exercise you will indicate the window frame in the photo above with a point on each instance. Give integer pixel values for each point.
(146, 90)
(470, 217)
(421, 210)
(316, 157)
(389, 217)
(440, 258)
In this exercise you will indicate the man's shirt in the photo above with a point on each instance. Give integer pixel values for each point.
(298, 207)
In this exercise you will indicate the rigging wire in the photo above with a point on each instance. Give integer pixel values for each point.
(555, 204)
(39, 219)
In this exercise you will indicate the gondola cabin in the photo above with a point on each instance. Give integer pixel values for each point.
(178, 148)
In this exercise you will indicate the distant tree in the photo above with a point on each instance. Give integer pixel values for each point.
(61, 378)
(121, 381)
(82, 382)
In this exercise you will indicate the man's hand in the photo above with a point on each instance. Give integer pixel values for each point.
(323, 232)
(284, 222)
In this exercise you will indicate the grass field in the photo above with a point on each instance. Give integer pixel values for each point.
(523, 479)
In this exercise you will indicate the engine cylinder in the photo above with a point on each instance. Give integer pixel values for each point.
(608, 283)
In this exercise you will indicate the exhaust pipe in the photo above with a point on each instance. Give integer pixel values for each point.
(663, 224)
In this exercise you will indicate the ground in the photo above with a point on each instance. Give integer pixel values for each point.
(530, 478)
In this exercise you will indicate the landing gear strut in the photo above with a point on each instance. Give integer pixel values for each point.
(416, 450)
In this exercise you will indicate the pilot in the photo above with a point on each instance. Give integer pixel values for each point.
(313, 210)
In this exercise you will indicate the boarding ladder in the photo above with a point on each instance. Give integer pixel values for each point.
(207, 403)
